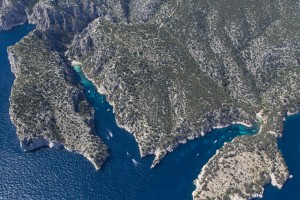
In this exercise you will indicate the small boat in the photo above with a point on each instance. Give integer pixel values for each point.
(108, 110)
(110, 134)
(89, 91)
(197, 154)
(215, 141)
(128, 154)
(135, 162)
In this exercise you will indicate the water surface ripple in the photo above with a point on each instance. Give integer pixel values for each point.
(58, 174)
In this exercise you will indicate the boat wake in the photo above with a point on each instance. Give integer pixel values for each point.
(136, 163)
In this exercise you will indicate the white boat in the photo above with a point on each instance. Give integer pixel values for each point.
(128, 154)
(108, 110)
(215, 141)
(135, 162)
(197, 154)
(110, 134)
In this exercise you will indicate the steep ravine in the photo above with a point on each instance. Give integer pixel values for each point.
(173, 70)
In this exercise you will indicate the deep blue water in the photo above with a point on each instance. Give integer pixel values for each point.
(290, 147)
(58, 174)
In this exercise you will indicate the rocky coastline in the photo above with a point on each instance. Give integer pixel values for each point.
(172, 70)
(257, 162)
(49, 111)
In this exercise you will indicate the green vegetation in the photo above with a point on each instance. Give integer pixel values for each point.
(45, 107)
(172, 69)
(170, 98)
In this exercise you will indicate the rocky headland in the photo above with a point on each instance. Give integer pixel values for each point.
(47, 109)
(241, 168)
(173, 70)
(142, 72)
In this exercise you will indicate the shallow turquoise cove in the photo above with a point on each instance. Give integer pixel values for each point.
(58, 174)
(77, 68)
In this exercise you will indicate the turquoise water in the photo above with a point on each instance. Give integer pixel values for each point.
(58, 174)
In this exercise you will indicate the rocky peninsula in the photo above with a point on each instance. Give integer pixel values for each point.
(242, 167)
(47, 109)
(142, 73)
(173, 70)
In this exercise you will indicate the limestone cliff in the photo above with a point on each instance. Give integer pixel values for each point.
(12, 13)
(172, 69)
(159, 93)
(49, 111)
(197, 64)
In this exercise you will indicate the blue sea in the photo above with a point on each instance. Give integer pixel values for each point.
(58, 174)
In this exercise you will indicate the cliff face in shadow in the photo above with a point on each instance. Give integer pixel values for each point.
(12, 13)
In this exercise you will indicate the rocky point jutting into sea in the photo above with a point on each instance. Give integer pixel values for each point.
(173, 70)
